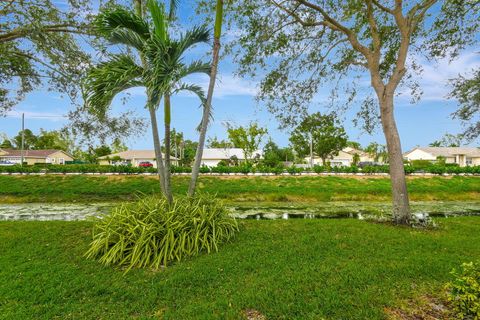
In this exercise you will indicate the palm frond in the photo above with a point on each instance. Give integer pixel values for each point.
(193, 88)
(128, 38)
(172, 9)
(194, 67)
(108, 79)
(190, 38)
(110, 20)
(157, 13)
(198, 91)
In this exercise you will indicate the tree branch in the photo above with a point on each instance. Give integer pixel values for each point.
(382, 7)
(335, 25)
(22, 32)
(295, 16)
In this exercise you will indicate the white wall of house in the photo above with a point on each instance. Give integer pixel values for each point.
(420, 155)
(210, 162)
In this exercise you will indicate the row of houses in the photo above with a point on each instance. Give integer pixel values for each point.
(463, 156)
(211, 156)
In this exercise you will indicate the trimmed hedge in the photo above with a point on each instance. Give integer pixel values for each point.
(243, 169)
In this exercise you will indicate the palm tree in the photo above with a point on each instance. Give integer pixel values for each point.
(159, 67)
(208, 105)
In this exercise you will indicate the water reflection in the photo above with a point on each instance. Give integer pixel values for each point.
(332, 210)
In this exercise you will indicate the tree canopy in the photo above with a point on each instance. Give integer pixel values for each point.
(38, 46)
(247, 138)
(467, 92)
(325, 133)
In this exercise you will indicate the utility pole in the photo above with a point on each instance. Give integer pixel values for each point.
(23, 138)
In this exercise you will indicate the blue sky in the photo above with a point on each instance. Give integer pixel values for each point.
(234, 103)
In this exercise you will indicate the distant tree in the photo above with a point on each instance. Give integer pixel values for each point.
(327, 135)
(189, 149)
(355, 159)
(30, 140)
(53, 139)
(247, 138)
(273, 155)
(6, 143)
(448, 140)
(467, 93)
(118, 146)
(215, 143)
(377, 151)
(354, 145)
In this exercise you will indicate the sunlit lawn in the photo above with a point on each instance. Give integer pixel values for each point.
(284, 269)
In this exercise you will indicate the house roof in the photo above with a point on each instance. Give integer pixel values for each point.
(353, 151)
(449, 151)
(135, 154)
(30, 153)
(225, 153)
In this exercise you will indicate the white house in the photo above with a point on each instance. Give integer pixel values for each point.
(133, 157)
(463, 156)
(344, 157)
(212, 156)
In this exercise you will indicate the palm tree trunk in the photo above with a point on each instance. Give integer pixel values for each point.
(167, 173)
(158, 150)
(208, 104)
(153, 120)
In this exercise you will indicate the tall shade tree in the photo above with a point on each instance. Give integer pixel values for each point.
(158, 66)
(306, 44)
(217, 31)
(326, 136)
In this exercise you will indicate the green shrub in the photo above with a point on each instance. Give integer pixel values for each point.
(421, 164)
(150, 233)
(294, 170)
(464, 291)
(204, 169)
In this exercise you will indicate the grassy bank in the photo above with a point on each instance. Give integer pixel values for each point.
(235, 189)
(293, 269)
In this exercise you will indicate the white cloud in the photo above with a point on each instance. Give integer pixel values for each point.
(434, 80)
(51, 116)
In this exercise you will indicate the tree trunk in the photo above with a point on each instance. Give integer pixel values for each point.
(401, 206)
(158, 150)
(208, 103)
(167, 173)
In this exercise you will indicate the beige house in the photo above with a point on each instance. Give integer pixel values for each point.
(212, 156)
(31, 157)
(133, 157)
(344, 158)
(463, 156)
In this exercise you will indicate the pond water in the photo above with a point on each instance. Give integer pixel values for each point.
(358, 210)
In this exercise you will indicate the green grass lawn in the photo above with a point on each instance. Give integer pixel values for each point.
(285, 269)
(234, 189)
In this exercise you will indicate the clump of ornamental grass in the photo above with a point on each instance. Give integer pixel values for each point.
(150, 233)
